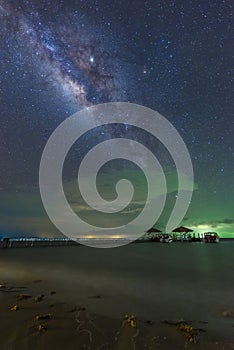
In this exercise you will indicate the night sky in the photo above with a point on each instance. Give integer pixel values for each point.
(57, 57)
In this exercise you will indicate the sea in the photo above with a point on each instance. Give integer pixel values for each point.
(156, 281)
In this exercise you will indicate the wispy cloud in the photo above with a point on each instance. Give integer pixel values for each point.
(22, 210)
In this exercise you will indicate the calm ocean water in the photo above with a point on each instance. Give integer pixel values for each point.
(193, 281)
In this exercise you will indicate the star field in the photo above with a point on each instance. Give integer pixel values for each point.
(175, 57)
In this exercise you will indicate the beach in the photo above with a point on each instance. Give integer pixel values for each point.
(140, 296)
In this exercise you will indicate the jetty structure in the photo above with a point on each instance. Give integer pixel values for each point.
(23, 242)
(179, 234)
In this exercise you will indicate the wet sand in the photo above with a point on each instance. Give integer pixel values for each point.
(88, 292)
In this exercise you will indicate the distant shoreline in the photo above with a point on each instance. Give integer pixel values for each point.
(53, 242)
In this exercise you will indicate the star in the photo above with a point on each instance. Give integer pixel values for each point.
(91, 59)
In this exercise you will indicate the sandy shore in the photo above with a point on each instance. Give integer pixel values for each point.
(79, 316)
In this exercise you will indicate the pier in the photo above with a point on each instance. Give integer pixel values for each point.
(6, 243)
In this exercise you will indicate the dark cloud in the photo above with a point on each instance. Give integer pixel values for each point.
(227, 221)
(214, 223)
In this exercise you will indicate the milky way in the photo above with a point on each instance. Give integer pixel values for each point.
(68, 58)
